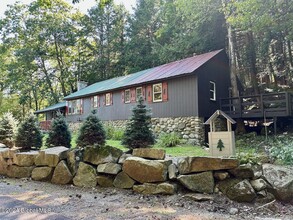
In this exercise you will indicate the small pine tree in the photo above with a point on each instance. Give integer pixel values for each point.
(91, 132)
(220, 145)
(138, 133)
(59, 134)
(29, 134)
(7, 129)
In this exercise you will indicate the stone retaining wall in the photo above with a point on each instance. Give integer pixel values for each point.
(189, 128)
(148, 171)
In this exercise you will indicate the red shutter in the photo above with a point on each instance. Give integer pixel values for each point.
(165, 91)
(149, 94)
(143, 92)
(92, 102)
(132, 95)
(98, 100)
(122, 96)
(111, 98)
(104, 100)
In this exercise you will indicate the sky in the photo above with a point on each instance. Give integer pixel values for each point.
(82, 6)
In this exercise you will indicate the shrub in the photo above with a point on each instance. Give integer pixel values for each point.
(91, 132)
(282, 151)
(138, 133)
(29, 134)
(169, 140)
(109, 132)
(59, 134)
(7, 129)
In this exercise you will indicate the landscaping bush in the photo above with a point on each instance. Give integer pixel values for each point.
(7, 129)
(138, 133)
(109, 132)
(169, 140)
(59, 134)
(92, 132)
(282, 151)
(29, 134)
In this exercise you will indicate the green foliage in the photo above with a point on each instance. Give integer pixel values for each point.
(92, 132)
(29, 134)
(169, 140)
(59, 135)
(113, 133)
(138, 133)
(8, 125)
(282, 151)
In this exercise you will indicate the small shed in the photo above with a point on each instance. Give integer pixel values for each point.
(221, 143)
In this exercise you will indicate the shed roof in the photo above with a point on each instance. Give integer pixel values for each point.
(217, 114)
(169, 70)
(52, 107)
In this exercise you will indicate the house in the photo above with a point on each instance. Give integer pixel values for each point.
(180, 94)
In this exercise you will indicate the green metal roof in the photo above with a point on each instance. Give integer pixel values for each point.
(166, 71)
(52, 107)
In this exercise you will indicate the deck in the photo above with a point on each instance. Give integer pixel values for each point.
(259, 106)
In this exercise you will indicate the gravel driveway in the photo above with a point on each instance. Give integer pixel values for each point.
(25, 199)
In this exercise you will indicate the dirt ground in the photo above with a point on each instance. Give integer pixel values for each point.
(26, 199)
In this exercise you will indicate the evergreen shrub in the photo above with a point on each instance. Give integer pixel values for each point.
(8, 125)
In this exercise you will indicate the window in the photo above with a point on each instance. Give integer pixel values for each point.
(127, 96)
(212, 91)
(157, 92)
(95, 102)
(108, 100)
(138, 93)
(74, 107)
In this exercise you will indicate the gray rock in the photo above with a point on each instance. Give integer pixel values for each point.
(86, 176)
(201, 182)
(281, 180)
(172, 171)
(62, 174)
(51, 156)
(123, 181)
(221, 175)
(151, 188)
(198, 197)
(259, 184)
(42, 173)
(73, 159)
(123, 158)
(146, 171)
(241, 192)
(105, 181)
(109, 168)
(244, 171)
(233, 211)
(99, 155)
(25, 159)
(3, 145)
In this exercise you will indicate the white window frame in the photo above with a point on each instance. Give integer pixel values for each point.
(108, 99)
(95, 103)
(160, 92)
(129, 96)
(136, 93)
(213, 91)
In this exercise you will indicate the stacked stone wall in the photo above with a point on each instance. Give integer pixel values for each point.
(148, 171)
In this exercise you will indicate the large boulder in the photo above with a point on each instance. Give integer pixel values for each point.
(99, 155)
(151, 188)
(25, 159)
(149, 153)
(42, 173)
(188, 165)
(109, 168)
(3, 166)
(86, 176)
(19, 172)
(105, 180)
(281, 180)
(73, 159)
(62, 174)
(201, 182)
(238, 190)
(8, 153)
(123, 181)
(51, 156)
(146, 171)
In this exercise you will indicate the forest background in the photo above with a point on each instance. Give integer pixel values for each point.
(47, 46)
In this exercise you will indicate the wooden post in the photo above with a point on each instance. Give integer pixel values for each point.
(275, 125)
